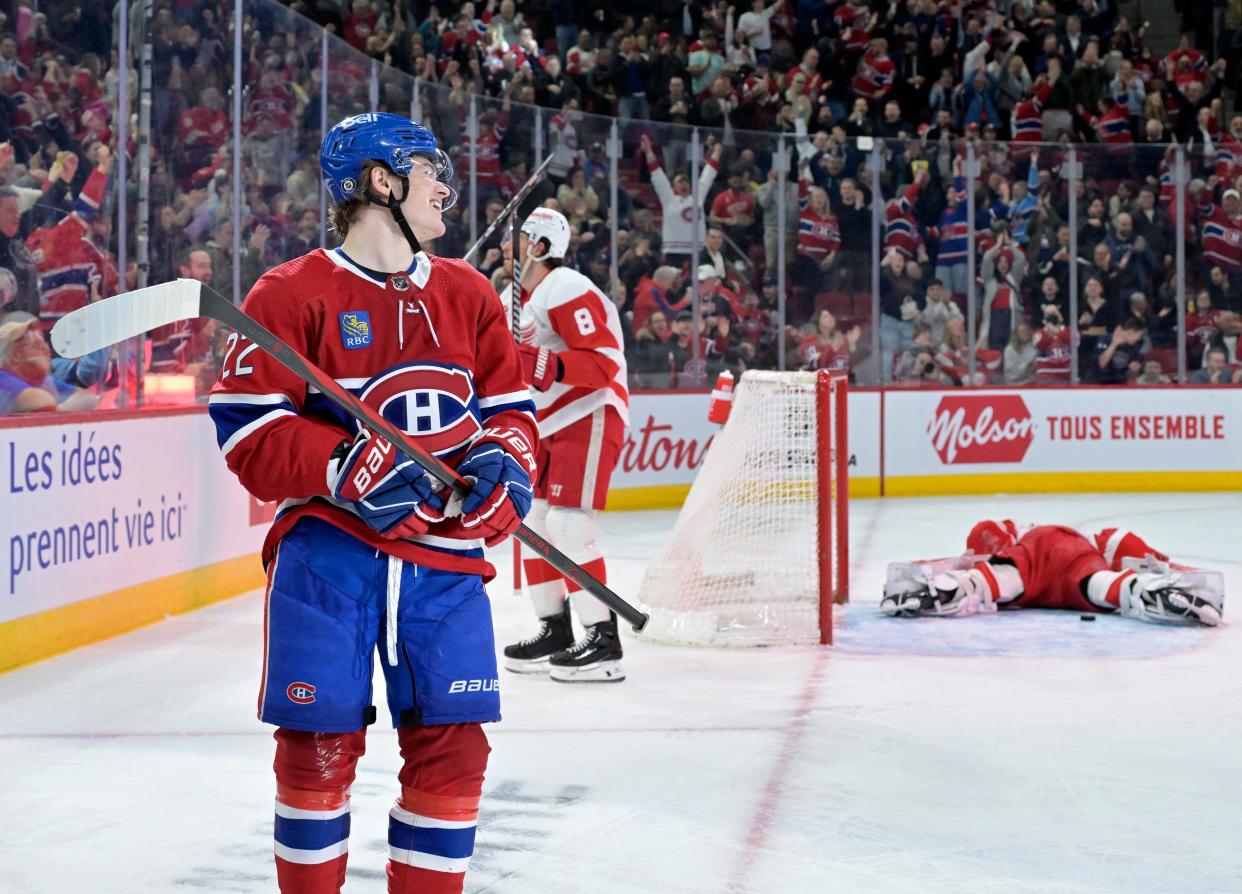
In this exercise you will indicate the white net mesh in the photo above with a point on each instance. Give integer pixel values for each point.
(741, 567)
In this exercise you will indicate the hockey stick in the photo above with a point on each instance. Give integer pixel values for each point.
(515, 317)
(130, 314)
(522, 193)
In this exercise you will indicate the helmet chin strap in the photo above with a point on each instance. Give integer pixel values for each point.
(393, 204)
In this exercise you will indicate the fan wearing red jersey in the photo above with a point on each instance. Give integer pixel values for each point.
(1007, 565)
(364, 554)
(572, 351)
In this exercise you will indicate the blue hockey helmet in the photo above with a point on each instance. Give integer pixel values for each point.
(392, 140)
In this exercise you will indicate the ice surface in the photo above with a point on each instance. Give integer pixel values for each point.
(1026, 752)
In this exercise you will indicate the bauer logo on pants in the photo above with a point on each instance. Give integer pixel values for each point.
(301, 693)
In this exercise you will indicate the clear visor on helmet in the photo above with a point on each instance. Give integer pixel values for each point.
(435, 166)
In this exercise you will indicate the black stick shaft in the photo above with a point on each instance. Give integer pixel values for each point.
(510, 208)
(218, 308)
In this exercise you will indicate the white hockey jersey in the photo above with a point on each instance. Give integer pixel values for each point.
(569, 316)
(678, 211)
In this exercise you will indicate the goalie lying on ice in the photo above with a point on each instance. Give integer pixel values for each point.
(1050, 566)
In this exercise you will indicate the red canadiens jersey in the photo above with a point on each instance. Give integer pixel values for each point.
(818, 236)
(1052, 358)
(202, 125)
(1222, 240)
(1027, 121)
(1113, 127)
(876, 73)
(73, 269)
(427, 348)
(568, 315)
(487, 165)
(279, 103)
(901, 230)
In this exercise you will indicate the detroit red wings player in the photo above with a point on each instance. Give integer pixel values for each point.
(1052, 566)
(574, 361)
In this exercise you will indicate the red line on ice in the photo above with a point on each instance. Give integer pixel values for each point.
(794, 732)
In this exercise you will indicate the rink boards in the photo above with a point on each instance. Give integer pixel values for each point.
(114, 522)
(934, 442)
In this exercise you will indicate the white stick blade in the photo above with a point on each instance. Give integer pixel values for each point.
(125, 316)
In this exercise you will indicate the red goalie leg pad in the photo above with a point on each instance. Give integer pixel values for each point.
(431, 828)
(596, 569)
(314, 772)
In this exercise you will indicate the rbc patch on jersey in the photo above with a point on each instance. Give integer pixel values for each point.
(355, 329)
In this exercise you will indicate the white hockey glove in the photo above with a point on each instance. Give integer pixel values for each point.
(1163, 598)
(942, 594)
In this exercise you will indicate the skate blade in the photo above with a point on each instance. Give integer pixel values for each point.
(531, 666)
(604, 672)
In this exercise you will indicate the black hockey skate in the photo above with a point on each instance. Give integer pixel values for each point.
(531, 655)
(596, 658)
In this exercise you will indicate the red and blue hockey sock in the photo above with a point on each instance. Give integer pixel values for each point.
(314, 772)
(431, 828)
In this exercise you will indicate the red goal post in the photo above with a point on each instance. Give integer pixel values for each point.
(760, 550)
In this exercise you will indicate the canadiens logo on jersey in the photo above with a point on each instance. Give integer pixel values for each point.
(432, 402)
(355, 329)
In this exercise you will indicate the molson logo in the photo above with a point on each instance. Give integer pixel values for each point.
(993, 428)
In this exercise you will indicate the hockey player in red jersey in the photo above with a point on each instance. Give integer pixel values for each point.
(572, 352)
(364, 552)
(1052, 566)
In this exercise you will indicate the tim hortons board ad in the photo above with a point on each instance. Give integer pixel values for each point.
(669, 436)
(1071, 430)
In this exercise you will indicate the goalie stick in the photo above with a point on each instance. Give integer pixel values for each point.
(130, 314)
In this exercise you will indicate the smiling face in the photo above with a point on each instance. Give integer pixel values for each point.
(424, 204)
(30, 358)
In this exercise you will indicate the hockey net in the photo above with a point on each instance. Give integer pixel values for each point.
(759, 553)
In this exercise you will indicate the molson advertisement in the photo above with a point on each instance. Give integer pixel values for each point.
(1069, 439)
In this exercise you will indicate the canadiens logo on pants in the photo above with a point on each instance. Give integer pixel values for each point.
(301, 693)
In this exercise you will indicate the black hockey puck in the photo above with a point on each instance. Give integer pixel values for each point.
(1086, 617)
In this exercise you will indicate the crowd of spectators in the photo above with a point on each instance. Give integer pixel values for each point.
(921, 85)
